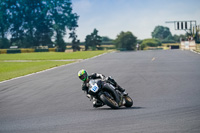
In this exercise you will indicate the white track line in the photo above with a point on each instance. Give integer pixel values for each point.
(194, 52)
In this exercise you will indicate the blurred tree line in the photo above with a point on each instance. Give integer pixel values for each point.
(127, 41)
(31, 23)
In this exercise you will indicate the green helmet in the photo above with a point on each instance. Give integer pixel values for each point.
(82, 74)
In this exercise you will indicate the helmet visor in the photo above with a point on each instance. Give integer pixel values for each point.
(83, 77)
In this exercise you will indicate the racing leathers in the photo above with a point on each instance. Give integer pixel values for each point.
(85, 87)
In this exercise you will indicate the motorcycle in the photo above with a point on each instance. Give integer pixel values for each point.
(109, 96)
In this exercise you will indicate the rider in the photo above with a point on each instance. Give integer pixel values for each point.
(83, 75)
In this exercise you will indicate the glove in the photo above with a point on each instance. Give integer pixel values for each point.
(100, 76)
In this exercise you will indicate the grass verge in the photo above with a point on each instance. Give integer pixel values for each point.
(9, 70)
(37, 62)
(51, 55)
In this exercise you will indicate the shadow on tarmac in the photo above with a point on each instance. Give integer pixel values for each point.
(122, 108)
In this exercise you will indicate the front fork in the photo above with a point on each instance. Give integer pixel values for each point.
(121, 97)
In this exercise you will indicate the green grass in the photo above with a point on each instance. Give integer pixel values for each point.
(51, 55)
(37, 62)
(10, 70)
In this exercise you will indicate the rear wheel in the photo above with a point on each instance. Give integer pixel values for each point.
(109, 101)
(129, 101)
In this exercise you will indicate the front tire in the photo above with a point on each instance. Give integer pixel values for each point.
(110, 102)
(129, 101)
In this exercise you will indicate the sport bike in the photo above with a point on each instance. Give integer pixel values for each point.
(109, 96)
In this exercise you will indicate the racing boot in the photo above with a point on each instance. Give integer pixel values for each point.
(113, 82)
(122, 90)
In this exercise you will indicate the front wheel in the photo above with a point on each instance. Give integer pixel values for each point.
(110, 102)
(129, 101)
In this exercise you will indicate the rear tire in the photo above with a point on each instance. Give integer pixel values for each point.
(129, 101)
(110, 102)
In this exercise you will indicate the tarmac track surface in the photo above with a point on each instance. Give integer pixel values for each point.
(165, 87)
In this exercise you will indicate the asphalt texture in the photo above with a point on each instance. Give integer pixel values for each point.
(164, 85)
